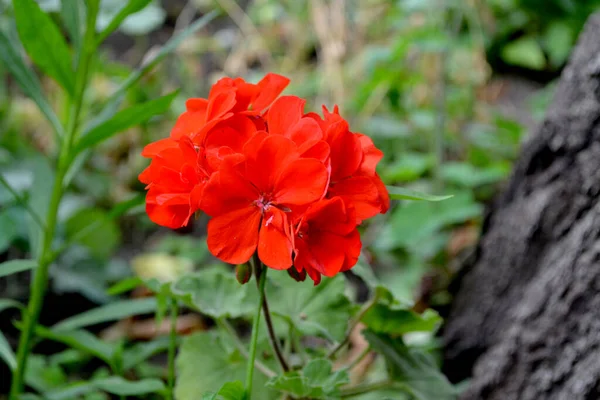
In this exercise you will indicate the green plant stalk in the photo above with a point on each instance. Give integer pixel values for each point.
(172, 349)
(40, 274)
(261, 276)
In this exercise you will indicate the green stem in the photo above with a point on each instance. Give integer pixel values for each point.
(361, 313)
(358, 359)
(269, 322)
(172, 348)
(40, 274)
(226, 326)
(261, 276)
(366, 388)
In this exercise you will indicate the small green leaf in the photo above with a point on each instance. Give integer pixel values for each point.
(524, 52)
(216, 293)
(102, 240)
(140, 352)
(398, 193)
(44, 376)
(14, 266)
(206, 361)
(125, 285)
(414, 369)
(49, 50)
(9, 303)
(27, 80)
(229, 391)
(133, 6)
(124, 119)
(110, 312)
(315, 381)
(6, 353)
(558, 40)
(392, 316)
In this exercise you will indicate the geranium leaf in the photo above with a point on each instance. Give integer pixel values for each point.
(412, 368)
(206, 361)
(215, 292)
(316, 381)
(229, 391)
(322, 310)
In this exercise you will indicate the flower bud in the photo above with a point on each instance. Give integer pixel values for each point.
(243, 273)
(297, 276)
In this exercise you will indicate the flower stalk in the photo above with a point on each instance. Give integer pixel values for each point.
(261, 278)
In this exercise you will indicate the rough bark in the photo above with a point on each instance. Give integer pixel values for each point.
(525, 322)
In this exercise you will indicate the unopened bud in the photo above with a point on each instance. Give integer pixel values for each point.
(243, 273)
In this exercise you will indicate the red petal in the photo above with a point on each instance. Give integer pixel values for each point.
(384, 196)
(196, 104)
(270, 86)
(188, 124)
(154, 148)
(361, 192)
(272, 157)
(220, 105)
(274, 246)
(227, 191)
(285, 112)
(371, 155)
(346, 152)
(301, 182)
(233, 237)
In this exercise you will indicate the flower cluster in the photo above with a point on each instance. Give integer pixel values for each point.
(289, 185)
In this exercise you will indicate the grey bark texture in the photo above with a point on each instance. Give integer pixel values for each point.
(525, 322)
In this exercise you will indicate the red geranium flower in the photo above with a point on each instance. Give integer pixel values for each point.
(289, 186)
(326, 240)
(251, 201)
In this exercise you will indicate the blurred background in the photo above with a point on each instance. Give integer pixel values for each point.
(448, 89)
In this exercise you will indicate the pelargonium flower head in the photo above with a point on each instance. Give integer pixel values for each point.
(286, 185)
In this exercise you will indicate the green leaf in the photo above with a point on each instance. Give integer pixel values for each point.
(229, 391)
(414, 369)
(558, 40)
(322, 310)
(206, 361)
(40, 192)
(28, 82)
(315, 381)
(6, 353)
(80, 340)
(140, 352)
(392, 316)
(216, 293)
(470, 176)
(398, 193)
(524, 52)
(125, 285)
(124, 119)
(14, 266)
(9, 303)
(49, 50)
(42, 375)
(133, 6)
(417, 222)
(102, 240)
(72, 13)
(110, 312)
(113, 384)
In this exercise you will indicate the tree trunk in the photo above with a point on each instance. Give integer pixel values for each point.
(525, 322)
